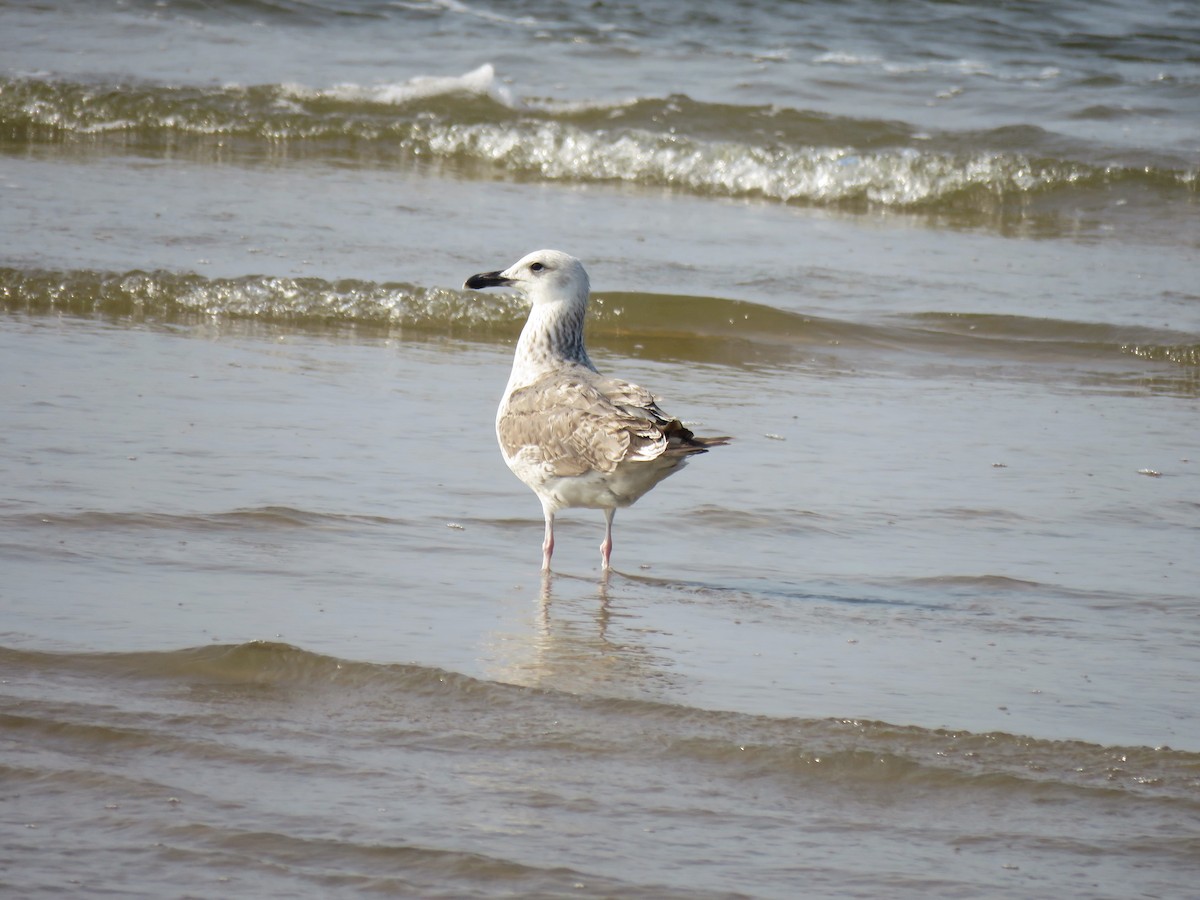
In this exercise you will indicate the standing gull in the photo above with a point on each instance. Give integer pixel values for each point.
(574, 436)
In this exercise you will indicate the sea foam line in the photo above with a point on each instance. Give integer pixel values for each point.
(480, 82)
(900, 177)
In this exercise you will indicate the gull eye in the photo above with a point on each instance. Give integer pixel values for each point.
(536, 267)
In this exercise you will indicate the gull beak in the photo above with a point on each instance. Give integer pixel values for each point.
(486, 280)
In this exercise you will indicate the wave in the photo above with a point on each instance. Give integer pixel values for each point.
(471, 126)
(480, 82)
(700, 329)
(174, 296)
(842, 751)
(255, 519)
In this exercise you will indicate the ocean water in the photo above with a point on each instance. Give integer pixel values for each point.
(271, 620)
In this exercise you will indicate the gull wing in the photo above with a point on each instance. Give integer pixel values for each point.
(574, 421)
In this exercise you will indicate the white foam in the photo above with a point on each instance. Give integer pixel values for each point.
(462, 9)
(480, 82)
(899, 177)
(841, 58)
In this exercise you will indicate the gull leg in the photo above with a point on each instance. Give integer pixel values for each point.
(606, 547)
(548, 542)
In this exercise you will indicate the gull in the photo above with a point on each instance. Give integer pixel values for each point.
(576, 437)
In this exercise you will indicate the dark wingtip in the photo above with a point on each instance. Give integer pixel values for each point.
(704, 444)
(682, 435)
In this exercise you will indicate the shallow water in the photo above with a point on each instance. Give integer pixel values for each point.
(270, 615)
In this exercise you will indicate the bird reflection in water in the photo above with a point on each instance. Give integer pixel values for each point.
(582, 637)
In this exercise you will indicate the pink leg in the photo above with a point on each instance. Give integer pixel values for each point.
(606, 547)
(548, 542)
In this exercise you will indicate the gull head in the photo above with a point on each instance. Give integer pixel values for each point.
(544, 276)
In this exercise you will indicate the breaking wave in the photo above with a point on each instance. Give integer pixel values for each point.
(472, 126)
(710, 329)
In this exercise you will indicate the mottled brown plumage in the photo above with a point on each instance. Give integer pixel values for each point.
(576, 437)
